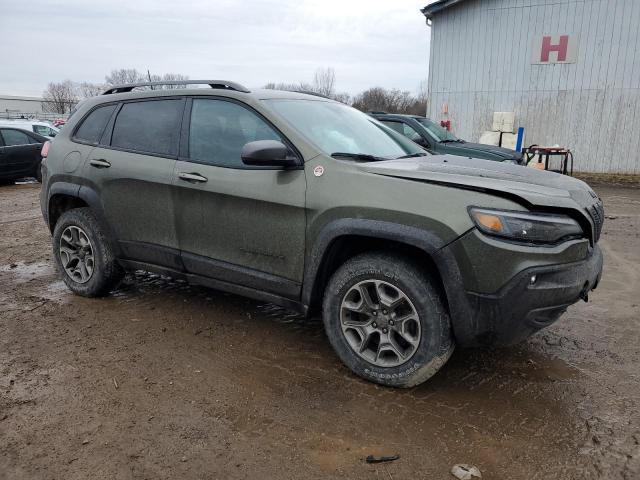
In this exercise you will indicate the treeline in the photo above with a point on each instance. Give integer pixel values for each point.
(376, 99)
(61, 97)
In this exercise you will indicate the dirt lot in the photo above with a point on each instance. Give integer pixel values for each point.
(163, 380)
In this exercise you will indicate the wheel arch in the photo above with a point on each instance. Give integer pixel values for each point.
(66, 196)
(345, 238)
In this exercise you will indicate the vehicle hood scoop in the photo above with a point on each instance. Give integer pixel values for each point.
(534, 186)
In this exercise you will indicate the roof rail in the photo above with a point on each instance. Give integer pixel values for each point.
(221, 84)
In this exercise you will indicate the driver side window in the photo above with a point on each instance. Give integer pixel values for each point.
(219, 129)
(404, 129)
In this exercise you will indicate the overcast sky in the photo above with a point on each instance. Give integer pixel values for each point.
(368, 43)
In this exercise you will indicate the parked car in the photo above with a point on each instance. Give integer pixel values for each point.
(20, 154)
(439, 140)
(310, 204)
(41, 128)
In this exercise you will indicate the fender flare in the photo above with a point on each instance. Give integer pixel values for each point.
(89, 196)
(429, 242)
(426, 241)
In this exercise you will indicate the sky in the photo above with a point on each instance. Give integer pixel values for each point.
(367, 43)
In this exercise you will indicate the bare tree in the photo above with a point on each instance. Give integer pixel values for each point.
(59, 97)
(170, 77)
(88, 90)
(289, 87)
(324, 81)
(390, 101)
(123, 76)
(342, 97)
(422, 97)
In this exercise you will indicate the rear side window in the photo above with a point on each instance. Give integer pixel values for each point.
(15, 137)
(220, 129)
(149, 127)
(93, 125)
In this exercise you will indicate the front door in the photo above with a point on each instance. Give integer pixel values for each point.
(235, 223)
(21, 153)
(132, 170)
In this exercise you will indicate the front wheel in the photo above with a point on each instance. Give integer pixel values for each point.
(386, 321)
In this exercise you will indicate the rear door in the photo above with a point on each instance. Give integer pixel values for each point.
(236, 223)
(21, 153)
(132, 168)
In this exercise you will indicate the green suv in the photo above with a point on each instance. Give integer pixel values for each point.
(307, 203)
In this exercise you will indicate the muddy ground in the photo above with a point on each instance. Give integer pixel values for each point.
(163, 380)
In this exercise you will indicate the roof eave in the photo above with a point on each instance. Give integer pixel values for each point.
(430, 10)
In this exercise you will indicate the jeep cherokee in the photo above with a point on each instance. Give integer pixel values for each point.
(307, 203)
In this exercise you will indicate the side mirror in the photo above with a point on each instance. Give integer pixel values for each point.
(267, 153)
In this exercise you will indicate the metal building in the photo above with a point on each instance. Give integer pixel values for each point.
(12, 106)
(569, 69)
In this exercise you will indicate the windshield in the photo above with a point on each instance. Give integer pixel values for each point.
(337, 128)
(438, 133)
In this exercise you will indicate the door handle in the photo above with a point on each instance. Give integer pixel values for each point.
(99, 163)
(192, 177)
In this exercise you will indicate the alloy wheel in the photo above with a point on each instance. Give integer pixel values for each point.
(380, 323)
(76, 254)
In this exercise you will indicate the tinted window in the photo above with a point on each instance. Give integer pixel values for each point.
(220, 129)
(44, 130)
(397, 126)
(14, 137)
(401, 127)
(437, 132)
(151, 127)
(92, 126)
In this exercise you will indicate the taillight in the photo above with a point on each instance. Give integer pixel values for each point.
(45, 149)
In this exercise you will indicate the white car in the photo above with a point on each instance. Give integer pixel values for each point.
(41, 128)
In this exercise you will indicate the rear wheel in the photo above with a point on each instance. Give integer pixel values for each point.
(386, 321)
(83, 254)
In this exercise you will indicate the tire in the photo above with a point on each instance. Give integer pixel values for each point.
(105, 272)
(389, 277)
(38, 172)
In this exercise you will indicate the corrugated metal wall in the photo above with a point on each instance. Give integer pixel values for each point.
(481, 62)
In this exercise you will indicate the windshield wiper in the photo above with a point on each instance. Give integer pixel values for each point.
(412, 155)
(358, 156)
(448, 140)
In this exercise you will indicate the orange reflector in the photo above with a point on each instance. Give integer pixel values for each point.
(492, 222)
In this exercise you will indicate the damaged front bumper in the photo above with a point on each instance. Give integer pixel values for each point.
(533, 299)
(529, 288)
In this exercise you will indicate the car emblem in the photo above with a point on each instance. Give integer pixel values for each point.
(318, 171)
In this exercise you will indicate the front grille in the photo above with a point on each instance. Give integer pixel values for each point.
(596, 211)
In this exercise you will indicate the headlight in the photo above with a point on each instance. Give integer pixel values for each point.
(526, 227)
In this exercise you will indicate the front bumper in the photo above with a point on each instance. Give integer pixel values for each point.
(533, 299)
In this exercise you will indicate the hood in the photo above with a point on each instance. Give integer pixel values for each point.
(473, 149)
(535, 187)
